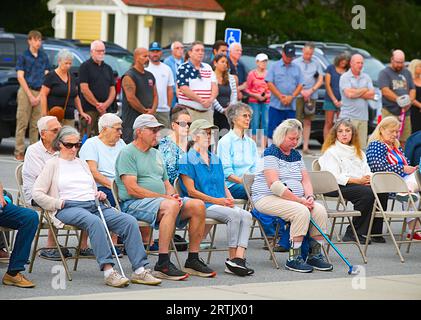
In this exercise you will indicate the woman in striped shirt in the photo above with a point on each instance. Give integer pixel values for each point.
(385, 154)
(284, 189)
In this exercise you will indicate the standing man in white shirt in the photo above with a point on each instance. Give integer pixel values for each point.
(164, 83)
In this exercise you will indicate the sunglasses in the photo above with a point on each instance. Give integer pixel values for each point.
(69, 145)
(183, 123)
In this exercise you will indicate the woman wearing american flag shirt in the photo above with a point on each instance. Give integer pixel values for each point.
(385, 154)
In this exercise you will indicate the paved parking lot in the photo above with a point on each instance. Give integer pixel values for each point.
(88, 280)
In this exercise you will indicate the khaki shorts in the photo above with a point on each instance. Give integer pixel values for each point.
(299, 113)
(407, 126)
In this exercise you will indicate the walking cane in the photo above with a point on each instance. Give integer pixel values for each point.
(353, 270)
(109, 236)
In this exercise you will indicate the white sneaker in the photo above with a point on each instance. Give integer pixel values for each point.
(145, 277)
(116, 280)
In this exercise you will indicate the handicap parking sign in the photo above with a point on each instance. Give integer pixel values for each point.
(232, 35)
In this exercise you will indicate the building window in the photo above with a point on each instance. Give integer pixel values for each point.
(69, 25)
(200, 29)
(111, 26)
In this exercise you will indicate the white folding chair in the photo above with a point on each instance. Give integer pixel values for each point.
(324, 182)
(248, 180)
(390, 182)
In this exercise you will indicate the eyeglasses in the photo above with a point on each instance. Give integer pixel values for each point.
(178, 47)
(69, 145)
(246, 115)
(99, 50)
(117, 129)
(183, 123)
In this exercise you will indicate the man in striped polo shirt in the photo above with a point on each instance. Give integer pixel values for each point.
(197, 84)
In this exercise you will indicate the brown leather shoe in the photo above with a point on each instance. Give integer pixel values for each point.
(19, 281)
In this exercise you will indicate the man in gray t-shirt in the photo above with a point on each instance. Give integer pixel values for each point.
(396, 81)
(356, 89)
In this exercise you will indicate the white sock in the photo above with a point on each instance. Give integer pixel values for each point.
(108, 272)
(296, 245)
(139, 270)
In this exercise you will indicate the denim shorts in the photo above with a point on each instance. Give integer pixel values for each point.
(146, 210)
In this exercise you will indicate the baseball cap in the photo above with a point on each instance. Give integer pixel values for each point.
(262, 57)
(155, 46)
(146, 120)
(289, 50)
(201, 124)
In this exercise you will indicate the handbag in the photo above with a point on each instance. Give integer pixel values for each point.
(309, 107)
(58, 111)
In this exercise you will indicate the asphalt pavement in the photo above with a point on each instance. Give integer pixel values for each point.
(383, 277)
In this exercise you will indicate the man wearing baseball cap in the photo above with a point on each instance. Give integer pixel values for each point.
(164, 83)
(285, 81)
(147, 194)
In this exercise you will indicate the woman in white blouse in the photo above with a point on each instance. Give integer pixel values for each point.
(343, 157)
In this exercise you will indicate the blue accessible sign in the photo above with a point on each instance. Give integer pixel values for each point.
(232, 35)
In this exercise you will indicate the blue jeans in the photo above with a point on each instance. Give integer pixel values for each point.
(276, 117)
(238, 191)
(25, 221)
(85, 215)
(260, 117)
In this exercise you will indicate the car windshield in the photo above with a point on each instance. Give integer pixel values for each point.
(373, 67)
(117, 64)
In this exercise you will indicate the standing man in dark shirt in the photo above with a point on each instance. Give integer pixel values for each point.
(139, 93)
(97, 86)
(396, 81)
(31, 67)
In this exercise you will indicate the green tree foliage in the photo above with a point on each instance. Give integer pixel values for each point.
(389, 24)
(21, 16)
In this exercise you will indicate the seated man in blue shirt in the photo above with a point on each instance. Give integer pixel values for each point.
(26, 222)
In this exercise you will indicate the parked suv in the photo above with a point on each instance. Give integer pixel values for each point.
(325, 53)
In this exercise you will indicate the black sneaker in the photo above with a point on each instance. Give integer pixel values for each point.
(197, 267)
(169, 271)
(250, 270)
(237, 266)
(297, 264)
(87, 252)
(319, 262)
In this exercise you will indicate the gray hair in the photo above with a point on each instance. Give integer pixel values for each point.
(173, 44)
(107, 120)
(310, 45)
(64, 54)
(64, 132)
(95, 43)
(233, 44)
(42, 123)
(286, 126)
(234, 111)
